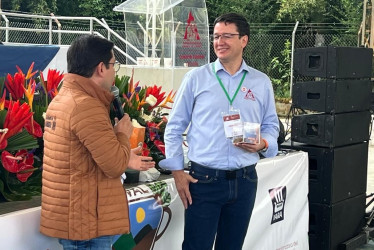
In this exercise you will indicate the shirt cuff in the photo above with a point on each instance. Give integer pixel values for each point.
(174, 163)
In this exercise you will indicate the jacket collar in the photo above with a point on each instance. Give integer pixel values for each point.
(86, 85)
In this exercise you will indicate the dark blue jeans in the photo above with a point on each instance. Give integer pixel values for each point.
(222, 204)
(99, 243)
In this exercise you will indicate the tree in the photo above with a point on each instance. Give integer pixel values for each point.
(261, 11)
(256, 11)
(33, 6)
(348, 12)
(95, 8)
(302, 10)
(100, 9)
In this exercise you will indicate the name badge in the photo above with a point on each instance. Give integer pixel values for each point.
(233, 126)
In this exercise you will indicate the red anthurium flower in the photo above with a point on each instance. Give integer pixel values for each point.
(34, 128)
(25, 171)
(20, 164)
(27, 157)
(145, 151)
(160, 145)
(10, 162)
(16, 118)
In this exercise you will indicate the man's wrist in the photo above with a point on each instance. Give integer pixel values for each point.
(265, 147)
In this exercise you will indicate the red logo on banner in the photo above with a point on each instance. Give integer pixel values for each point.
(191, 32)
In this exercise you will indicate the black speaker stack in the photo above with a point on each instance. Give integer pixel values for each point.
(335, 133)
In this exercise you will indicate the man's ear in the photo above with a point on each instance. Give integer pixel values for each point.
(245, 40)
(99, 70)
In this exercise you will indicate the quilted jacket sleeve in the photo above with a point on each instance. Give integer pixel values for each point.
(91, 124)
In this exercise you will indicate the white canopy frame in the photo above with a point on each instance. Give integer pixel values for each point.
(158, 21)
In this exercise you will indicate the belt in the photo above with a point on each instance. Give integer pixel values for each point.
(227, 174)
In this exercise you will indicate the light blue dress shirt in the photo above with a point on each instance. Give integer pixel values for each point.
(199, 104)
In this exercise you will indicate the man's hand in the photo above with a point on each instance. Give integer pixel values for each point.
(138, 162)
(124, 125)
(182, 182)
(251, 147)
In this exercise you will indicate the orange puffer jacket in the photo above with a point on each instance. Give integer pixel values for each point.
(82, 195)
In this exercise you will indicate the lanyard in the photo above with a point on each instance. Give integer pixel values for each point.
(231, 100)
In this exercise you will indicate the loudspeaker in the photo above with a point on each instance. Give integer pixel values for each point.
(335, 174)
(332, 96)
(333, 62)
(330, 226)
(331, 130)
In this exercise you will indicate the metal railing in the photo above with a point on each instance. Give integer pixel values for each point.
(38, 26)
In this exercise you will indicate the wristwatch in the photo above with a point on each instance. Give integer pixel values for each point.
(266, 146)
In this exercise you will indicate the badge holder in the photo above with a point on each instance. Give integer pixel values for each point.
(233, 125)
(251, 132)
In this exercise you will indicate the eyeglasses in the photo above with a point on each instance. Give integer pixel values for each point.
(224, 36)
(116, 65)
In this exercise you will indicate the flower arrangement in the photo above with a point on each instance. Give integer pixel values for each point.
(145, 106)
(24, 100)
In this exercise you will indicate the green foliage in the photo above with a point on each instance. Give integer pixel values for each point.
(14, 190)
(100, 9)
(301, 10)
(122, 84)
(282, 66)
(96, 8)
(347, 12)
(22, 140)
(256, 11)
(33, 6)
(126, 95)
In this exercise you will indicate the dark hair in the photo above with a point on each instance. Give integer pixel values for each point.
(86, 52)
(239, 20)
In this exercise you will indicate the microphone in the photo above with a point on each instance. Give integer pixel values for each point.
(117, 102)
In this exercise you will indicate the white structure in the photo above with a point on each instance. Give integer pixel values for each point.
(167, 32)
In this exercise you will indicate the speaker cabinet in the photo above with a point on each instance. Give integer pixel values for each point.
(330, 226)
(332, 96)
(335, 174)
(331, 130)
(333, 62)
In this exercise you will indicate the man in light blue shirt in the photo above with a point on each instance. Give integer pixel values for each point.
(219, 191)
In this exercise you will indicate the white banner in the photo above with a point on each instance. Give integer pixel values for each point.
(279, 220)
(281, 214)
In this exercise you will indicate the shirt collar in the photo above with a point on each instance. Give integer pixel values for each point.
(218, 66)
